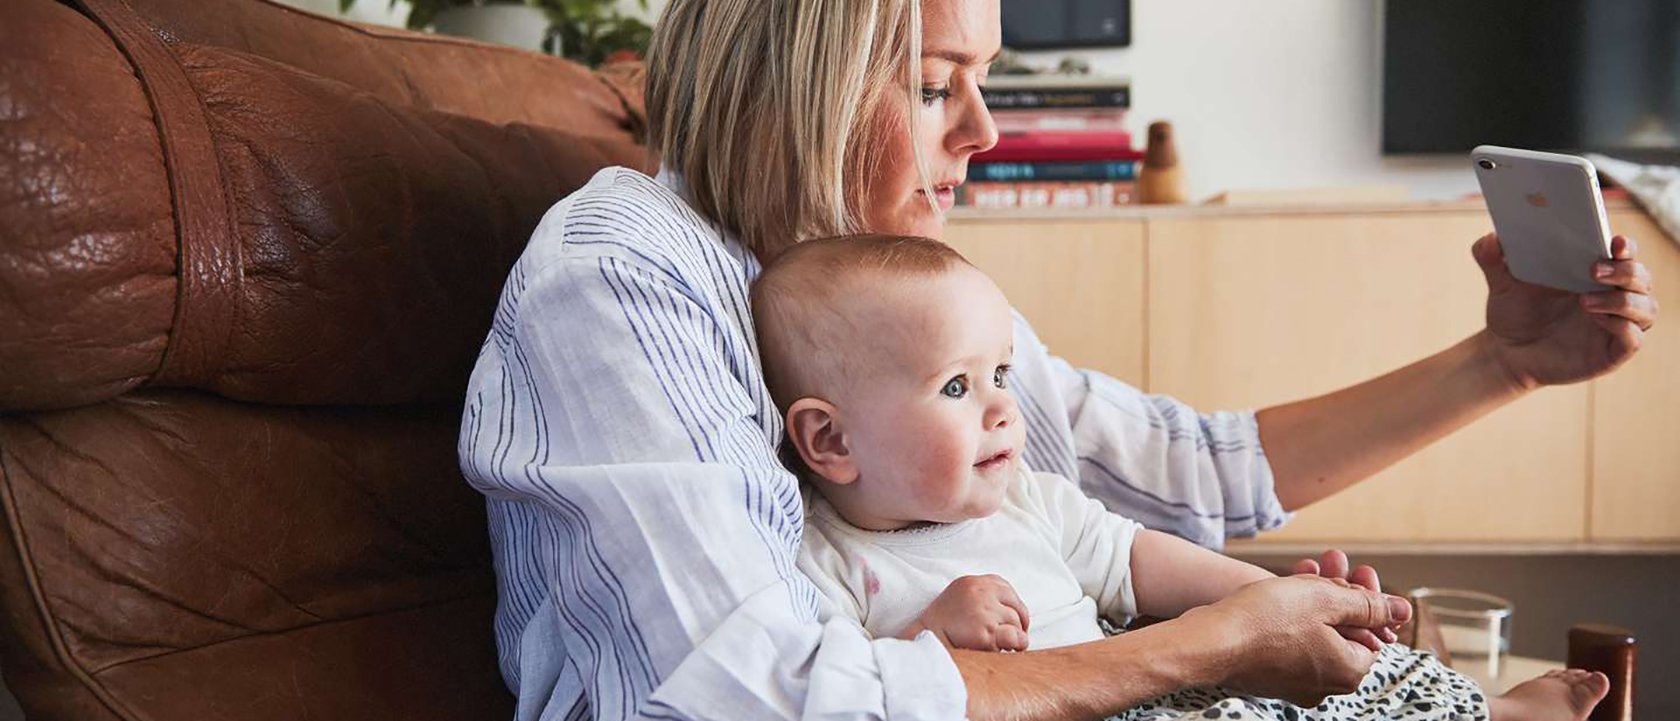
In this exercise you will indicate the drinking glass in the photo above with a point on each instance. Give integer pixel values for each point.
(1475, 627)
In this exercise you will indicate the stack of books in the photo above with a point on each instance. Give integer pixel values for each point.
(1062, 143)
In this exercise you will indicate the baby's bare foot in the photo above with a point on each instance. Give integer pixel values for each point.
(1567, 695)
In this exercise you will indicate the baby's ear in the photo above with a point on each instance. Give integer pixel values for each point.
(814, 428)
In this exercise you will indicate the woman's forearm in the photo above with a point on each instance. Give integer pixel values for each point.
(1092, 680)
(1322, 445)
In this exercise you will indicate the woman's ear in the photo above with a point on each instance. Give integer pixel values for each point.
(814, 427)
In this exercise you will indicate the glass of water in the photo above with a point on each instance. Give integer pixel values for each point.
(1475, 628)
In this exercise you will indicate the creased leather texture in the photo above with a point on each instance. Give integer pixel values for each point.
(334, 247)
(247, 258)
(398, 226)
(420, 70)
(187, 548)
(87, 272)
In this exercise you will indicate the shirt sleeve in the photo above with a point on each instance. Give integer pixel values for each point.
(1201, 476)
(661, 527)
(1095, 543)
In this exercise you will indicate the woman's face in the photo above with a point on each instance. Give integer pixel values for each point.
(959, 40)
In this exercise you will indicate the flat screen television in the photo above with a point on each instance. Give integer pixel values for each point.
(1565, 75)
(1042, 24)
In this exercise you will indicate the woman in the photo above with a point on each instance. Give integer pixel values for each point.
(643, 529)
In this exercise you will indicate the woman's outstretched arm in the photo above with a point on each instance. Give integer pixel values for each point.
(1322, 445)
(1535, 336)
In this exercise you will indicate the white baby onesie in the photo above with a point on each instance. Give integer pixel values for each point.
(1067, 556)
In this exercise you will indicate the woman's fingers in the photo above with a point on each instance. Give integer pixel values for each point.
(1629, 336)
(1361, 636)
(1364, 576)
(1491, 257)
(1636, 307)
(1622, 246)
(1365, 608)
(1629, 275)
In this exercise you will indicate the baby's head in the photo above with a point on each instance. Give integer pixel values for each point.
(889, 359)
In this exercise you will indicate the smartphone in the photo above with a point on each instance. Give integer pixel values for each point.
(1549, 215)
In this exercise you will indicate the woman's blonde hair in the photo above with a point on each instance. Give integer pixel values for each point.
(769, 109)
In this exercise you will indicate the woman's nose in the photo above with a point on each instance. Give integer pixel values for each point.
(973, 130)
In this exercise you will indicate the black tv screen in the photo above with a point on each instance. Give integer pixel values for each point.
(1038, 24)
(1567, 75)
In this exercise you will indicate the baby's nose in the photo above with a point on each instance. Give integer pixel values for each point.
(1001, 415)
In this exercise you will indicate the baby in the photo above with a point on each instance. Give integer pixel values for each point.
(889, 360)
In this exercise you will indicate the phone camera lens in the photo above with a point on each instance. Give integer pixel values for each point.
(1486, 164)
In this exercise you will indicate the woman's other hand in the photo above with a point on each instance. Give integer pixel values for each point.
(1334, 564)
(1542, 336)
(1283, 638)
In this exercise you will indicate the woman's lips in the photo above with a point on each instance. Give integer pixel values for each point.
(944, 194)
(947, 197)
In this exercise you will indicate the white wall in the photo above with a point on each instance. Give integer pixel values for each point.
(383, 12)
(1275, 94)
(380, 12)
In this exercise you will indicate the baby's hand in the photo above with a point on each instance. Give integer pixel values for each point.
(979, 613)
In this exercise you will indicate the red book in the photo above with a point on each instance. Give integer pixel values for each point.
(1095, 145)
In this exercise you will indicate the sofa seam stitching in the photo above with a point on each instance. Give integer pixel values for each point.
(8, 502)
(260, 634)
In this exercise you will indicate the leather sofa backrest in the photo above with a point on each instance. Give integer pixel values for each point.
(247, 258)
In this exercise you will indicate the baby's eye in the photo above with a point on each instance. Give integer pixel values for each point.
(955, 388)
(935, 95)
(1000, 377)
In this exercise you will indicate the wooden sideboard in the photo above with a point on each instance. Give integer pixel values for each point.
(1244, 308)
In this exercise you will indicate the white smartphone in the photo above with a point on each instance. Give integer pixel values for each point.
(1549, 215)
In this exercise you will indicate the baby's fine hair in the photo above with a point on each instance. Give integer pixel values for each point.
(800, 304)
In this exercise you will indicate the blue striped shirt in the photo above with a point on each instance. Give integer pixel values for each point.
(644, 534)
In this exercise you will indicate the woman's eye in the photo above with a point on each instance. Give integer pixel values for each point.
(935, 95)
(955, 388)
(1000, 377)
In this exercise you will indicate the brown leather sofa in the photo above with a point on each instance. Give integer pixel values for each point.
(247, 257)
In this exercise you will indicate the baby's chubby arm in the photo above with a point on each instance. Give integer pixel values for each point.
(978, 613)
(1171, 575)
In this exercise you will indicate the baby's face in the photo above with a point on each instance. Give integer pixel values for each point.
(933, 429)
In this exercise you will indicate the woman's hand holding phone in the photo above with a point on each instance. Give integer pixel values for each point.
(1543, 336)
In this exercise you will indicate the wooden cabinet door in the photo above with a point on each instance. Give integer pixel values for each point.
(1249, 311)
(1079, 282)
(1636, 413)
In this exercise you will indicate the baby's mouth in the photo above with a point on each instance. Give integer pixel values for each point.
(996, 460)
